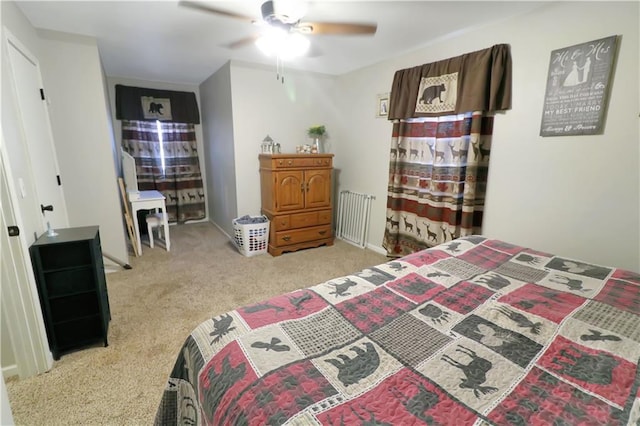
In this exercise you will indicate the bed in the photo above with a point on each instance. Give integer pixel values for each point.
(473, 331)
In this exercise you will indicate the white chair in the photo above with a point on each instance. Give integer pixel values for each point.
(155, 221)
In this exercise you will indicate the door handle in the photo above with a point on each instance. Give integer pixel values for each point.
(48, 208)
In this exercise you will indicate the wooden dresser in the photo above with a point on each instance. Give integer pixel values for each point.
(296, 197)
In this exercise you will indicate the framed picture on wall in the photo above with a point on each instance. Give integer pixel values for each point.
(382, 105)
(578, 87)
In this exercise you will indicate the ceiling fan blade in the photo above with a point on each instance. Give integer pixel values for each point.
(211, 9)
(242, 42)
(336, 28)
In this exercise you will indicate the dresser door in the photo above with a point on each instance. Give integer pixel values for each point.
(318, 188)
(289, 190)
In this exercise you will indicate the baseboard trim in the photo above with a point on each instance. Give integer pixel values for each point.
(10, 371)
(205, 219)
(221, 230)
(376, 249)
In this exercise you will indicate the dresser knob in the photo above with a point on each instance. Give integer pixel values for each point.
(286, 238)
(290, 162)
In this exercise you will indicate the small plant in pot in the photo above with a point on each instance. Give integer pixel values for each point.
(317, 133)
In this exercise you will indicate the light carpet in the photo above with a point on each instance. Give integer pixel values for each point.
(154, 307)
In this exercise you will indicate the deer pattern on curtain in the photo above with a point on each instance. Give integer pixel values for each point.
(180, 180)
(437, 180)
(442, 115)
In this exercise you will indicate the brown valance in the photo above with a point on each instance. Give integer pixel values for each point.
(142, 104)
(477, 81)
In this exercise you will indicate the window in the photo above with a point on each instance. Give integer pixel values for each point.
(166, 157)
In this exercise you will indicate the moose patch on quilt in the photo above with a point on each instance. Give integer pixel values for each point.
(488, 333)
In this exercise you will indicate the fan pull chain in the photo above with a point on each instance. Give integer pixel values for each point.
(279, 69)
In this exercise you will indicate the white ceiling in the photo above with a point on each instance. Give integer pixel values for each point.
(162, 41)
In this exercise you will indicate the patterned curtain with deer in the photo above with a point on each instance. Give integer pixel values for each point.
(166, 157)
(440, 147)
(437, 180)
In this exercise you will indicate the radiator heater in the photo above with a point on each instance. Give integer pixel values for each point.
(353, 217)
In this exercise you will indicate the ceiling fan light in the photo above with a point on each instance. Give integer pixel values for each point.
(269, 43)
(285, 45)
(294, 46)
(265, 46)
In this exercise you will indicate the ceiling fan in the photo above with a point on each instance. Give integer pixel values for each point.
(273, 19)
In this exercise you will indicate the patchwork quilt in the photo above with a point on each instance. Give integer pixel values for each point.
(473, 331)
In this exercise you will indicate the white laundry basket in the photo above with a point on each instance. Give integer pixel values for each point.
(251, 238)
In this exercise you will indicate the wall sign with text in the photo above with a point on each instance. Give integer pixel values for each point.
(578, 88)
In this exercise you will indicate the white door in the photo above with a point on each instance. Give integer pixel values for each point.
(36, 128)
(25, 349)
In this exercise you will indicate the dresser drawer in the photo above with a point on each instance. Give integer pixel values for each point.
(303, 220)
(324, 217)
(280, 223)
(284, 238)
(302, 162)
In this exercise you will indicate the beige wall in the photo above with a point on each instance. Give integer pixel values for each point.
(217, 128)
(242, 103)
(72, 75)
(262, 106)
(577, 196)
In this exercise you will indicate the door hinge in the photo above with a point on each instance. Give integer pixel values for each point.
(14, 231)
(42, 94)
(59, 181)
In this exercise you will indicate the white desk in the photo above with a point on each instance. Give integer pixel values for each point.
(148, 200)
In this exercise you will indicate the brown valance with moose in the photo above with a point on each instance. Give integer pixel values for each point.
(477, 81)
(142, 104)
